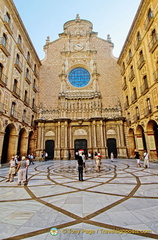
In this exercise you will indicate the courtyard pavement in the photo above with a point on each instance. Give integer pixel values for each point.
(119, 203)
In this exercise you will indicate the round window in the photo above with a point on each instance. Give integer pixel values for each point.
(79, 77)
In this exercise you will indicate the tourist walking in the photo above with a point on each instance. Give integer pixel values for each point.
(22, 167)
(146, 159)
(31, 157)
(12, 170)
(80, 168)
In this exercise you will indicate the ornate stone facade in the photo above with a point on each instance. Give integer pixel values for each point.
(87, 116)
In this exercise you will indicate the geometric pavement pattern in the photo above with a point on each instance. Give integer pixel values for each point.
(120, 202)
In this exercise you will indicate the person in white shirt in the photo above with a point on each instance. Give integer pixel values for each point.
(146, 159)
(12, 170)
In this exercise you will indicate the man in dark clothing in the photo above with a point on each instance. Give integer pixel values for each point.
(80, 168)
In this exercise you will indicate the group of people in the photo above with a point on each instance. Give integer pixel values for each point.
(145, 158)
(20, 167)
(81, 158)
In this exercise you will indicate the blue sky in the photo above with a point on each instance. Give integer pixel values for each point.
(44, 18)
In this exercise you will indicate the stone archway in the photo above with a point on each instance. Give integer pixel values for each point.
(9, 143)
(31, 143)
(22, 143)
(131, 143)
(152, 135)
(140, 139)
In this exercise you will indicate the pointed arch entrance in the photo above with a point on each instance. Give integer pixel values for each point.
(9, 143)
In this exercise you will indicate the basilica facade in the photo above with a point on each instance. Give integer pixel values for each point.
(80, 100)
(79, 96)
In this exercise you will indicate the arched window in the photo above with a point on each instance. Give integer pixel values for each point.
(150, 14)
(1, 70)
(138, 36)
(17, 59)
(12, 113)
(28, 56)
(7, 17)
(19, 39)
(4, 40)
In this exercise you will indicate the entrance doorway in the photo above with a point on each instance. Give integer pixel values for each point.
(80, 144)
(49, 148)
(111, 144)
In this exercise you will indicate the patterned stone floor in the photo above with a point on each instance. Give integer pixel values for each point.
(120, 202)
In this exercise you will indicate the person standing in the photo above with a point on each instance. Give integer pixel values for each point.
(22, 167)
(31, 157)
(112, 156)
(137, 157)
(146, 159)
(80, 168)
(98, 162)
(12, 170)
(84, 161)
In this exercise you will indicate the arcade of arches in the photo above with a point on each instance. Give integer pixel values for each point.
(144, 138)
(14, 141)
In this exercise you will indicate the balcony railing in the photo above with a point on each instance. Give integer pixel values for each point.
(136, 117)
(36, 73)
(137, 43)
(26, 101)
(134, 98)
(8, 24)
(18, 65)
(14, 114)
(156, 75)
(148, 21)
(16, 91)
(144, 88)
(34, 107)
(29, 62)
(129, 59)
(3, 80)
(147, 111)
(131, 76)
(124, 86)
(28, 78)
(35, 88)
(126, 105)
(25, 119)
(20, 47)
(5, 47)
(140, 62)
(154, 43)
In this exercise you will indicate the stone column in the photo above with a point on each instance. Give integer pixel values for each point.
(39, 137)
(58, 142)
(102, 139)
(94, 137)
(1, 144)
(66, 152)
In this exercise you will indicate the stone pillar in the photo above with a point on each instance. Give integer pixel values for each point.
(102, 139)
(39, 137)
(66, 152)
(1, 144)
(58, 141)
(94, 137)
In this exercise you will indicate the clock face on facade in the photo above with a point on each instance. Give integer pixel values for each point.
(78, 46)
(79, 77)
